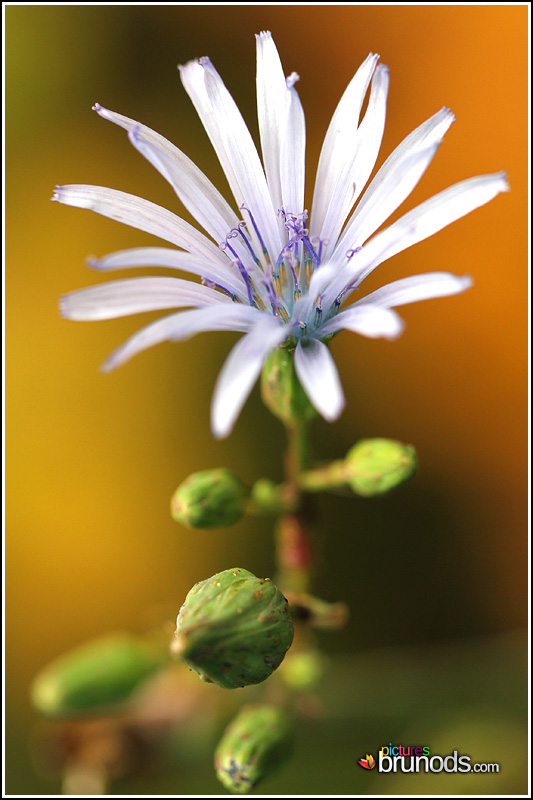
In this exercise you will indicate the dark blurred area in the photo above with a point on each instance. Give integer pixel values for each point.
(435, 574)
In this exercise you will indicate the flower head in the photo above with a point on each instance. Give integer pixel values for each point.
(272, 271)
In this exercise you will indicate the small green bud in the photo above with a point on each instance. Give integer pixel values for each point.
(375, 466)
(210, 499)
(302, 671)
(281, 390)
(268, 497)
(233, 629)
(96, 675)
(255, 744)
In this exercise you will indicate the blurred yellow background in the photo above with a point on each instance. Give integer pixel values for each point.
(92, 460)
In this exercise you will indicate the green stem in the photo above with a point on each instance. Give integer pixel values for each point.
(332, 476)
(294, 551)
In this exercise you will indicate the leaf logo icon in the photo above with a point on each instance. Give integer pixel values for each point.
(368, 762)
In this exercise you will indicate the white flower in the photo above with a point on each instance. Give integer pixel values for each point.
(269, 271)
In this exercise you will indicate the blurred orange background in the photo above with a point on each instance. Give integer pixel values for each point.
(92, 460)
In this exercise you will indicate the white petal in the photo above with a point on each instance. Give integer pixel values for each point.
(240, 371)
(396, 179)
(236, 149)
(120, 298)
(337, 277)
(173, 259)
(293, 154)
(272, 107)
(441, 210)
(140, 214)
(359, 154)
(415, 288)
(418, 224)
(318, 375)
(194, 189)
(184, 325)
(343, 126)
(368, 320)
(192, 77)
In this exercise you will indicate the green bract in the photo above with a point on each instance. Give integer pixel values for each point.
(375, 466)
(257, 741)
(281, 390)
(234, 629)
(210, 499)
(96, 675)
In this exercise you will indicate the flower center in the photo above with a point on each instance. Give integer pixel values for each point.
(278, 286)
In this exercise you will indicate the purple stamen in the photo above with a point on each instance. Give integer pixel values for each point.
(256, 229)
(351, 253)
(213, 285)
(242, 269)
(318, 311)
(296, 289)
(320, 242)
(247, 243)
(281, 257)
(310, 249)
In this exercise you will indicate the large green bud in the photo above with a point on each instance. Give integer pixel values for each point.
(255, 744)
(97, 675)
(281, 390)
(210, 499)
(234, 629)
(375, 466)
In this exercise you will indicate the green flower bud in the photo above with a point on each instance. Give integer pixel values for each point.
(257, 741)
(234, 629)
(210, 499)
(281, 390)
(302, 671)
(375, 466)
(96, 675)
(268, 497)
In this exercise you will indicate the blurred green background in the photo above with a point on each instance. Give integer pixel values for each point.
(435, 574)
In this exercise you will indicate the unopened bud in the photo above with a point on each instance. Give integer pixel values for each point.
(302, 671)
(375, 466)
(281, 390)
(233, 629)
(210, 499)
(253, 746)
(96, 675)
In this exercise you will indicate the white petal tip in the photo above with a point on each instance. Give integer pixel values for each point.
(92, 262)
(220, 430)
(292, 79)
(449, 113)
(330, 415)
(134, 134)
(263, 35)
(64, 306)
(108, 366)
(396, 329)
(191, 64)
(96, 107)
(505, 187)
